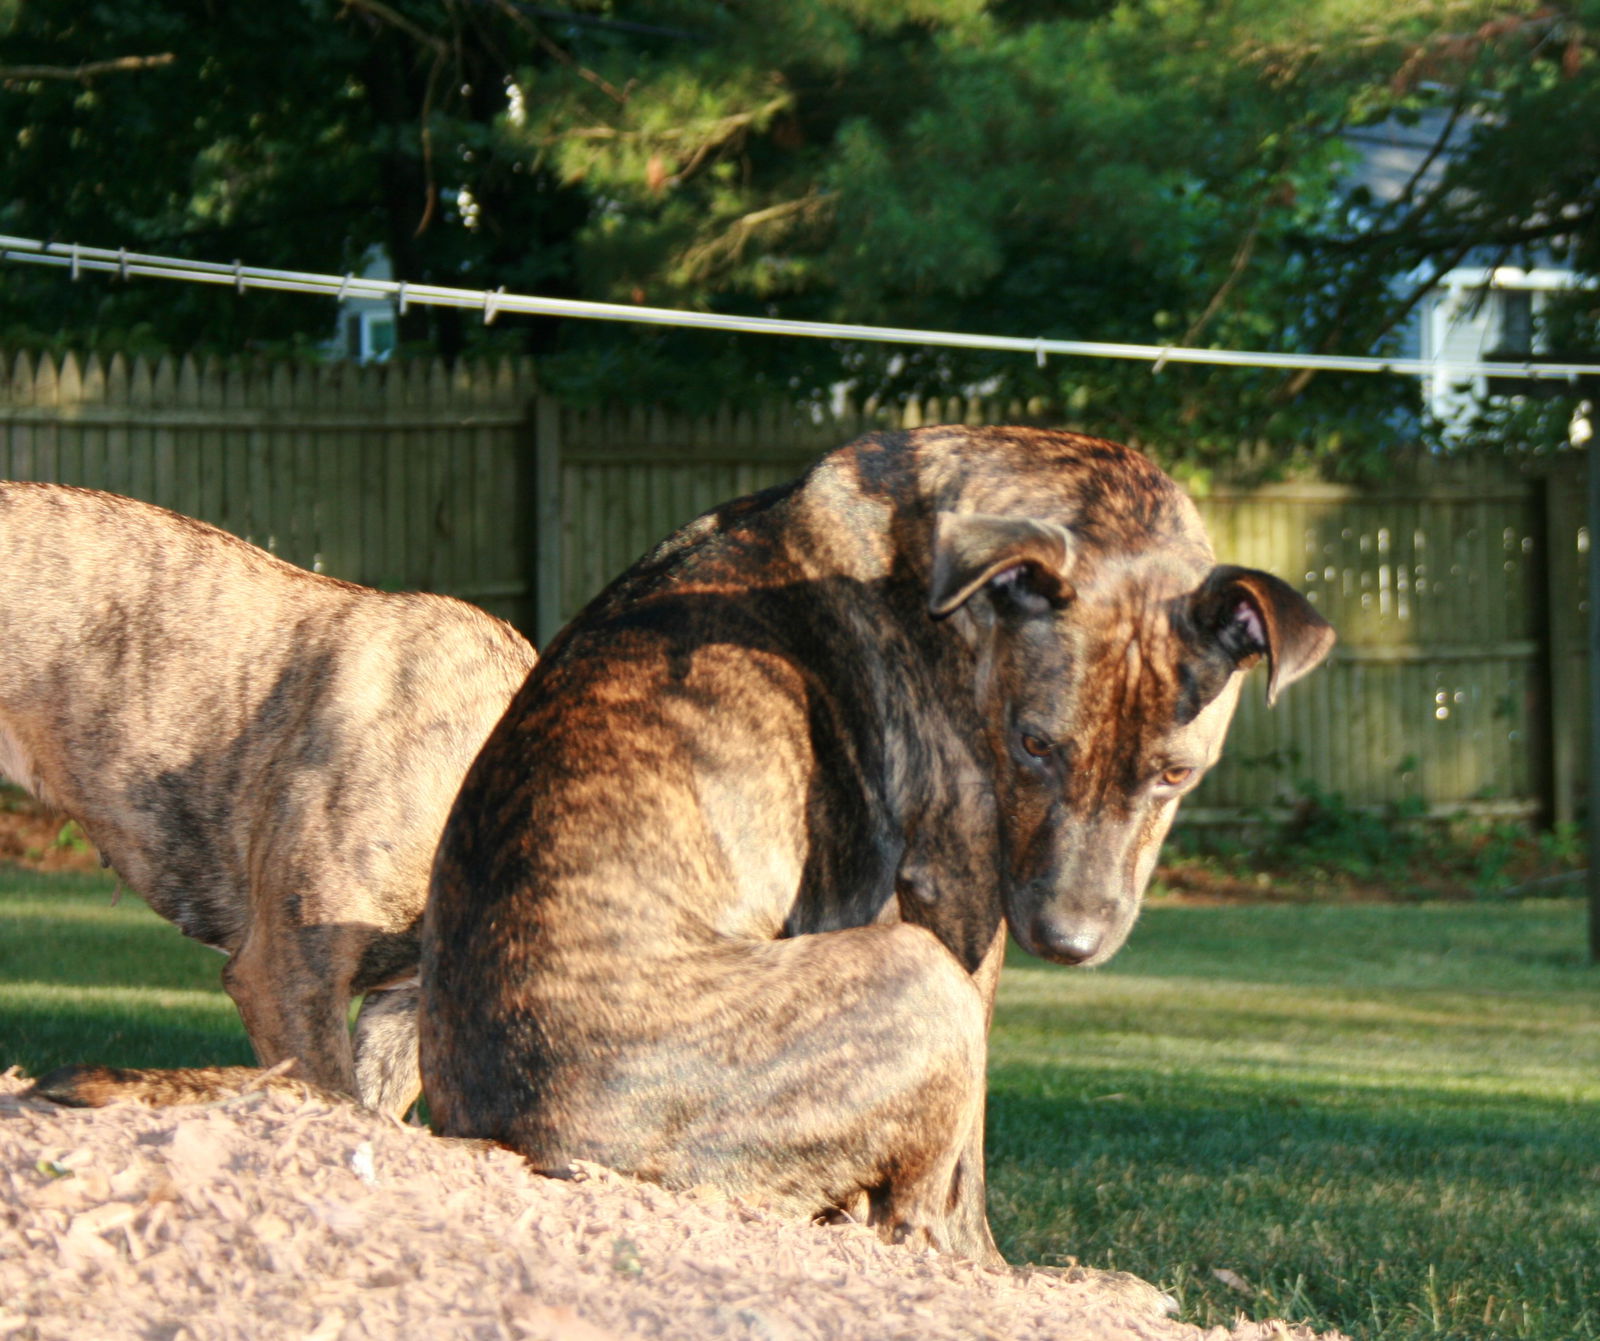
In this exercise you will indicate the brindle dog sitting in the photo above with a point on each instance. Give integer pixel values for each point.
(266, 755)
(723, 899)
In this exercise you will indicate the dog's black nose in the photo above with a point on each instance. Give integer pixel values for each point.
(1067, 944)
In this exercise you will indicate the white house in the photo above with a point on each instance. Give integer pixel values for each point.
(1478, 314)
(368, 327)
(1482, 310)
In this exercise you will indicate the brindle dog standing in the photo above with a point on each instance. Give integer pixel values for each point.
(723, 899)
(266, 755)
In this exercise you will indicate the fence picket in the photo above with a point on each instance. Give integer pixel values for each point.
(420, 474)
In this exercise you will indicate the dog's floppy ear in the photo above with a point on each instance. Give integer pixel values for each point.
(972, 548)
(1251, 613)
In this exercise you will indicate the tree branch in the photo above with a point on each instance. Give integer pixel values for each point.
(88, 70)
(559, 53)
(430, 188)
(718, 131)
(1487, 234)
(1297, 381)
(419, 35)
(701, 260)
(1241, 262)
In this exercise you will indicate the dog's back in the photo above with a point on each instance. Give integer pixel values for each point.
(163, 681)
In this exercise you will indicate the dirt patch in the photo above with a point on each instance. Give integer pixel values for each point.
(1197, 883)
(40, 839)
(269, 1216)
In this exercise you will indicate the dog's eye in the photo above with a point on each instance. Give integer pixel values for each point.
(1034, 745)
(1176, 775)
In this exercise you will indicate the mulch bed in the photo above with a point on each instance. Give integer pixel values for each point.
(272, 1215)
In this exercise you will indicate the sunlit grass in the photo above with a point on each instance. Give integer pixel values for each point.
(86, 980)
(1384, 1119)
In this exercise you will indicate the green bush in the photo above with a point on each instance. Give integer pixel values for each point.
(1321, 845)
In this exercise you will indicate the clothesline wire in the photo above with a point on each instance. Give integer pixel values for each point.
(494, 303)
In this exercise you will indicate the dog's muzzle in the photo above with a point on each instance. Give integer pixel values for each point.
(1066, 944)
(1065, 935)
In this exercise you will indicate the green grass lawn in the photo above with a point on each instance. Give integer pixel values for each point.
(1382, 1118)
(82, 980)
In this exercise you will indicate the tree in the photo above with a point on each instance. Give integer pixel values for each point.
(1149, 172)
(298, 135)
(1168, 171)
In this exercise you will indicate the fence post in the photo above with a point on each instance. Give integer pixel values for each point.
(1562, 515)
(1593, 462)
(545, 548)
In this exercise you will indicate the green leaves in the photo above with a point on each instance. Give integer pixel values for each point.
(1155, 171)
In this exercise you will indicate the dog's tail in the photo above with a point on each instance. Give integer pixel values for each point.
(97, 1086)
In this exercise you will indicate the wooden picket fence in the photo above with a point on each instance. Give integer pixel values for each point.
(1457, 590)
(405, 477)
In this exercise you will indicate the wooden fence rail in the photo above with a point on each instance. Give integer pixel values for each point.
(1458, 590)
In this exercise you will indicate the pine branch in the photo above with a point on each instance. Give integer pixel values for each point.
(87, 71)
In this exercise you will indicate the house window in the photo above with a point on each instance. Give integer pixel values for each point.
(1513, 323)
(381, 335)
(369, 337)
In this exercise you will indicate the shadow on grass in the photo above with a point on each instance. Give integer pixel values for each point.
(1344, 1209)
(154, 956)
(1209, 1131)
(41, 1036)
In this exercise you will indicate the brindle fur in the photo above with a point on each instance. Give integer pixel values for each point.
(98, 1086)
(266, 755)
(724, 897)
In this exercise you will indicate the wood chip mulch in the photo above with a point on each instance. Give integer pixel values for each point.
(271, 1216)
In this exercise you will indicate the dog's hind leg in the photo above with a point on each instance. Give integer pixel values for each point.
(301, 1033)
(801, 1072)
(968, 1216)
(295, 1005)
(387, 1075)
(859, 1065)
